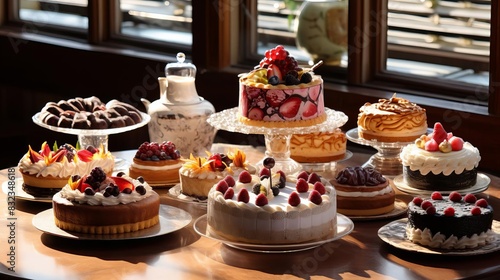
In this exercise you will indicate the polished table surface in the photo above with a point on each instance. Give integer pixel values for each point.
(184, 254)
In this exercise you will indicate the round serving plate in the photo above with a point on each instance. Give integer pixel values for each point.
(400, 208)
(176, 193)
(482, 184)
(21, 194)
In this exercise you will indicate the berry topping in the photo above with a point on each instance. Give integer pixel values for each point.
(319, 187)
(127, 191)
(426, 204)
(221, 186)
(303, 174)
(431, 210)
(216, 162)
(482, 203)
(315, 197)
(264, 172)
(470, 198)
(359, 176)
(230, 181)
(449, 211)
(245, 177)
(243, 196)
(275, 190)
(302, 185)
(455, 196)
(89, 191)
(456, 143)
(475, 211)
(440, 140)
(140, 179)
(439, 134)
(313, 178)
(294, 199)
(261, 200)
(436, 196)
(229, 193)
(417, 200)
(157, 151)
(123, 183)
(98, 174)
(431, 145)
(121, 174)
(306, 78)
(140, 190)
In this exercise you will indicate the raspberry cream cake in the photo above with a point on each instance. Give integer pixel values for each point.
(363, 191)
(440, 161)
(272, 209)
(199, 174)
(45, 172)
(280, 94)
(100, 204)
(450, 222)
(391, 120)
(157, 163)
(318, 147)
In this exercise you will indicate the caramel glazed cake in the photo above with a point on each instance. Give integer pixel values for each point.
(318, 147)
(393, 120)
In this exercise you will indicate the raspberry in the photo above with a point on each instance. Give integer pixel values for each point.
(482, 203)
(229, 193)
(417, 200)
(221, 186)
(245, 177)
(320, 188)
(470, 198)
(436, 196)
(302, 185)
(304, 175)
(455, 196)
(475, 211)
(230, 181)
(431, 210)
(264, 172)
(315, 197)
(426, 204)
(261, 200)
(313, 178)
(294, 199)
(243, 196)
(449, 211)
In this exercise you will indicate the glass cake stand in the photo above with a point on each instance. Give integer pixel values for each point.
(386, 160)
(277, 140)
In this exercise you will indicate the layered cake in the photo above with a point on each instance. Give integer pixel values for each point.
(89, 113)
(391, 120)
(450, 222)
(440, 161)
(157, 163)
(45, 172)
(278, 93)
(318, 147)
(199, 174)
(363, 191)
(100, 204)
(272, 209)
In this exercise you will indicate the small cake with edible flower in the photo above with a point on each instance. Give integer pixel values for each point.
(450, 222)
(440, 161)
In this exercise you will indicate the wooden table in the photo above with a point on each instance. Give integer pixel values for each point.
(186, 255)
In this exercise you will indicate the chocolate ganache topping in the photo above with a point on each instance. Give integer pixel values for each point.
(360, 176)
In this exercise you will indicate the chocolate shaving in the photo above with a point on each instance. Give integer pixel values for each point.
(360, 176)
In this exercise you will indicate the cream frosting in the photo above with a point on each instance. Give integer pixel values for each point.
(205, 174)
(439, 240)
(65, 168)
(157, 167)
(68, 195)
(437, 162)
(383, 191)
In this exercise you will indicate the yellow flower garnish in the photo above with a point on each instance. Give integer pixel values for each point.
(238, 157)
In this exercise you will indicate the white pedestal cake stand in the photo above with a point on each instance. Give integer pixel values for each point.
(277, 139)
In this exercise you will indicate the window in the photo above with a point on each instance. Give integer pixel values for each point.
(63, 14)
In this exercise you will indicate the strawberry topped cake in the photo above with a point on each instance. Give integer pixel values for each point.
(46, 171)
(273, 208)
(278, 93)
(450, 222)
(440, 161)
(99, 204)
(157, 163)
(199, 174)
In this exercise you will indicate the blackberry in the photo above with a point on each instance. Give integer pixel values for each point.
(275, 190)
(256, 188)
(306, 78)
(290, 80)
(140, 189)
(98, 174)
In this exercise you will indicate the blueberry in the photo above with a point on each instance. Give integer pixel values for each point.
(274, 80)
(115, 191)
(120, 174)
(291, 80)
(306, 78)
(140, 179)
(89, 191)
(155, 158)
(140, 190)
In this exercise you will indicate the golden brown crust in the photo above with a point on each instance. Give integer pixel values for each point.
(49, 182)
(156, 177)
(197, 187)
(301, 123)
(101, 219)
(318, 147)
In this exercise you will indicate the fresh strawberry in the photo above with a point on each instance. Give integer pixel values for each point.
(230, 181)
(245, 177)
(315, 197)
(123, 183)
(475, 211)
(294, 199)
(482, 203)
(264, 172)
(426, 204)
(449, 211)
(417, 200)
(85, 155)
(221, 186)
(83, 186)
(439, 133)
(302, 185)
(290, 107)
(273, 70)
(456, 143)
(313, 178)
(255, 114)
(45, 151)
(229, 193)
(261, 200)
(58, 156)
(470, 198)
(243, 195)
(436, 196)
(34, 156)
(216, 162)
(310, 109)
(304, 175)
(319, 187)
(455, 196)
(431, 210)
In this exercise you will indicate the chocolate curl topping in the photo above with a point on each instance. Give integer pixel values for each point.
(360, 176)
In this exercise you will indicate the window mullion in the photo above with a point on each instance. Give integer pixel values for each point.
(494, 88)
(98, 12)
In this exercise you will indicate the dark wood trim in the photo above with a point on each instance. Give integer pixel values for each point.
(99, 25)
(494, 92)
